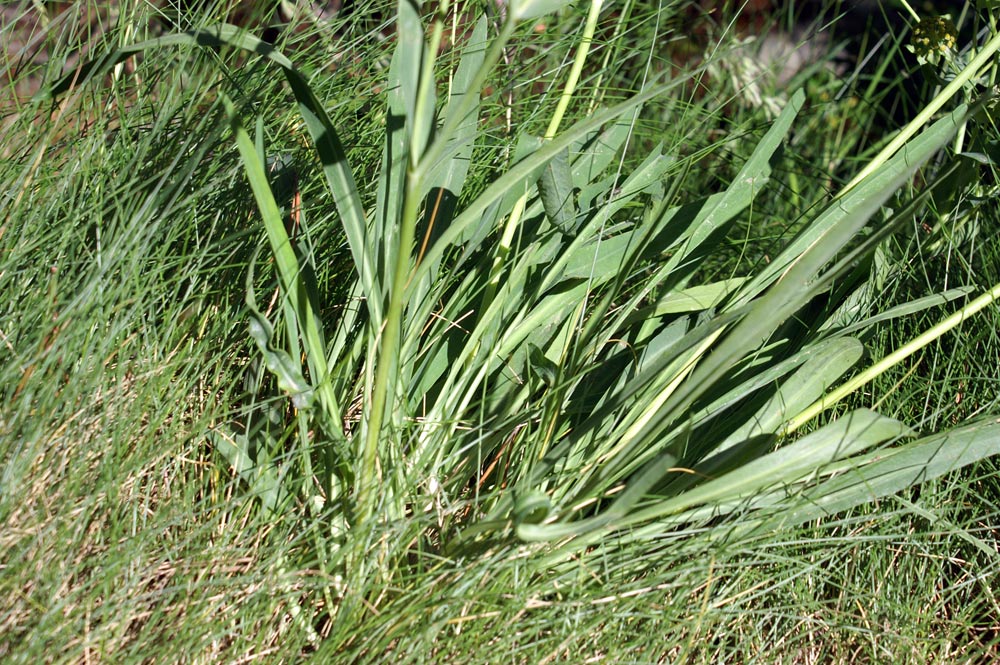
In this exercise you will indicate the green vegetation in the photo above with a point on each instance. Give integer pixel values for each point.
(533, 333)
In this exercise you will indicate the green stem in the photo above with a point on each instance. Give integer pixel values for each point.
(907, 7)
(574, 74)
(368, 476)
(970, 72)
(893, 359)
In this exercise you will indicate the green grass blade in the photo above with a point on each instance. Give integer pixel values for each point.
(810, 381)
(848, 435)
(411, 59)
(288, 268)
(891, 471)
(826, 237)
(522, 172)
(521, 10)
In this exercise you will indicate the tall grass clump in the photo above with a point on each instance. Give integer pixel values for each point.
(518, 392)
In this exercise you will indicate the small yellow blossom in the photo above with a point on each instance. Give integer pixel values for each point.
(934, 36)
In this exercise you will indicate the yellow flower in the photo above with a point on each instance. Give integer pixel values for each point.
(934, 36)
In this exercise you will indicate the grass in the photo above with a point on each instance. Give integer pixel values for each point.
(175, 489)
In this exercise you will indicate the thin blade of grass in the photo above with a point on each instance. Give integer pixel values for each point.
(289, 271)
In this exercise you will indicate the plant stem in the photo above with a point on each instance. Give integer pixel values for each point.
(970, 72)
(574, 74)
(893, 359)
(388, 348)
(907, 7)
(368, 474)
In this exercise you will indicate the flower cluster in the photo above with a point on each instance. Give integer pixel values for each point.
(932, 37)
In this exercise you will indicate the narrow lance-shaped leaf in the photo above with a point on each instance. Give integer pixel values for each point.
(278, 362)
(289, 275)
(849, 212)
(799, 390)
(555, 186)
(392, 178)
(528, 9)
(260, 475)
(889, 471)
(411, 52)
(746, 185)
(450, 174)
(851, 433)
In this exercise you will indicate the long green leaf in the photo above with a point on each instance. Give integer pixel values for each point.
(260, 475)
(290, 277)
(521, 10)
(799, 390)
(897, 469)
(523, 171)
(410, 56)
(451, 173)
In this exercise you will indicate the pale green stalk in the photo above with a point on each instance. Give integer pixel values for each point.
(656, 403)
(420, 160)
(894, 358)
(388, 349)
(624, 13)
(970, 72)
(426, 95)
(907, 7)
(126, 36)
(574, 74)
